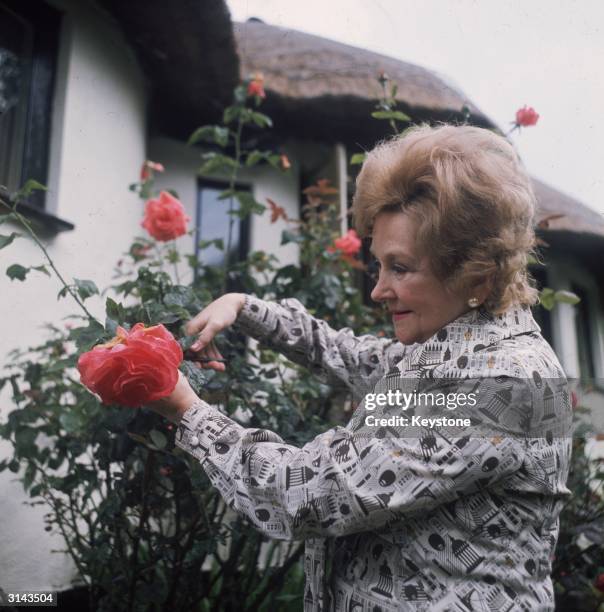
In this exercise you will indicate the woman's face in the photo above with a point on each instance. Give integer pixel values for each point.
(419, 303)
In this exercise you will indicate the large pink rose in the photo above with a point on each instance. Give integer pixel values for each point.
(134, 368)
(165, 217)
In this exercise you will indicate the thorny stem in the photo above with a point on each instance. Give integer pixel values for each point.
(232, 181)
(139, 533)
(176, 275)
(25, 223)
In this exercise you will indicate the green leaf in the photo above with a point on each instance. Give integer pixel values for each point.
(158, 438)
(5, 218)
(217, 242)
(6, 240)
(42, 269)
(248, 205)
(198, 379)
(231, 113)
(547, 298)
(261, 120)
(227, 194)
(567, 297)
(357, 159)
(17, 271)
(70, 420)
(210, 133)
(275, 161)
(86, 337)
(391, 114)
(138, 438)
(215, 163)
(114, 310)
(85, 288)
(254, 157)
(28, 188)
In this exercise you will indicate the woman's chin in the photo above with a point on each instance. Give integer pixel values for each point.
(406, 339)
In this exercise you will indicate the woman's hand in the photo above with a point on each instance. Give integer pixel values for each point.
(215, 317)
(176, 404)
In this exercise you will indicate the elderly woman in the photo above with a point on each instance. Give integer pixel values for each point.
(425, 513)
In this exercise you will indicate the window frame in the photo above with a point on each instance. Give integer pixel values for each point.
(46, 22)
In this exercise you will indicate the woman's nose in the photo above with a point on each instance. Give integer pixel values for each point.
(381, 291)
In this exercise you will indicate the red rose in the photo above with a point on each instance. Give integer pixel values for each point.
(165, 218)
(599, 583)
(134, 368)
(526, 116)
(256, 86)
(349, 244)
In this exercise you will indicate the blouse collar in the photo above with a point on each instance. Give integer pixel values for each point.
(472, 331)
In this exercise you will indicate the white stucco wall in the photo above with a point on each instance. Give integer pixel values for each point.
(97, 145)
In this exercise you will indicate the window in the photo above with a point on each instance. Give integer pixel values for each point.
(29, 36)
(213, 223)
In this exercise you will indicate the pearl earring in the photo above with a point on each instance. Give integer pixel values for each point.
(473, 302)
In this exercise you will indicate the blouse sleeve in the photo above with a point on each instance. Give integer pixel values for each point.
(338, 358)
(340, 482)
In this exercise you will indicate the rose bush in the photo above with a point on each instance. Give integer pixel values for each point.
(139, 518)
(165, 217)
(134, 368)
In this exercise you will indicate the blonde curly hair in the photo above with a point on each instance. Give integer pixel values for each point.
(471, 196)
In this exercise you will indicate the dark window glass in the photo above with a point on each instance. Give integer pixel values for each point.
(29, 34)
(213, 223)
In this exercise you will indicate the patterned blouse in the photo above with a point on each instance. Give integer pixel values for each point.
(402, 517)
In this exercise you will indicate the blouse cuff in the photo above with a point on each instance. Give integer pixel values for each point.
(252, 318)
(190, 435)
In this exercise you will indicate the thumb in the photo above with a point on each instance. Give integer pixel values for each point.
(206, 336)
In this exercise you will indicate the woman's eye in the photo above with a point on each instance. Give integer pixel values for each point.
(399, 269)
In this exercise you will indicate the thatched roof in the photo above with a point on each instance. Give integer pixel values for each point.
(323, 88)
(187, 52)
(571, 228)
(316, 88)
(575, 216)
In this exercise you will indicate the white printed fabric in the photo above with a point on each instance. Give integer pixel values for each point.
(428, 519)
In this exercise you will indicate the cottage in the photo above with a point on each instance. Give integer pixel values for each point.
(91, 89)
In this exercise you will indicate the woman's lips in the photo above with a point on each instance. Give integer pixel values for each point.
(401, 314)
